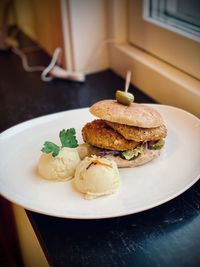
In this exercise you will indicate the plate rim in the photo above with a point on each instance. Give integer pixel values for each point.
(90, 216)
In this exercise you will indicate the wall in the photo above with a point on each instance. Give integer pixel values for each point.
(41, 21)
(88, 26)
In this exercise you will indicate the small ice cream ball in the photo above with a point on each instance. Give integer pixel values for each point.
(62, 167)
(96, 176)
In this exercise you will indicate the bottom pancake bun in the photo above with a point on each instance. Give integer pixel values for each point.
(149, 154)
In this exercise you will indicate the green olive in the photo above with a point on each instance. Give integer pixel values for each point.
(124, 98)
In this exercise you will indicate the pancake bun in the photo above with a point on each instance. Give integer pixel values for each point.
(137, 115)
(85, 150)
(148, 156)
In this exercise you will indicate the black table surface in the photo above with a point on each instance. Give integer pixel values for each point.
(167, 235)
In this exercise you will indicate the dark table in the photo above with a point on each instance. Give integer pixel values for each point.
(168, 235)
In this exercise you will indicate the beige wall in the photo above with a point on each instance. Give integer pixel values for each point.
(40, 20)
(11, 20)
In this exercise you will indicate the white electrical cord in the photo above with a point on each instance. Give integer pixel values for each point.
(54, 71)
(25, 62)
(58, 72)
(46, 71)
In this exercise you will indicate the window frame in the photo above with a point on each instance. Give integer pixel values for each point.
(155, 77)
(177, 50)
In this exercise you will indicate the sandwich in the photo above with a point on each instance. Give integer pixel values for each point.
(131, 135)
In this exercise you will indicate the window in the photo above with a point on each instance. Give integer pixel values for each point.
(182, 17)
(164, 56)
(168, 31)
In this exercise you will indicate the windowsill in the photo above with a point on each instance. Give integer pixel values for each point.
(156, 78)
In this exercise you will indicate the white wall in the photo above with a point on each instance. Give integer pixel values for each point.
(88, 26)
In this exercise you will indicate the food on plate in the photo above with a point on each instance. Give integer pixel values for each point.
(96, 176)
(137, 133)
(99, 133)
(61, 167)
(131, 135)
(125, 134)
(59, 162)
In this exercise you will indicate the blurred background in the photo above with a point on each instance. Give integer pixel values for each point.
(158, 40)
(39, 20)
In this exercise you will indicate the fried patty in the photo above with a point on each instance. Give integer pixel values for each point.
(99, 134)
(139, 134)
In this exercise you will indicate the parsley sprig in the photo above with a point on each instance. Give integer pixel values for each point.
(67, 139)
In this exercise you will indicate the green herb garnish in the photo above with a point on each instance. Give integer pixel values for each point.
(67, 139)
(50, 147)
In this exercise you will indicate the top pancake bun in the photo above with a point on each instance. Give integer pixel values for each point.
(137, 115)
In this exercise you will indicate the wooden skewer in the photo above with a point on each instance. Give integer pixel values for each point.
(128, 80)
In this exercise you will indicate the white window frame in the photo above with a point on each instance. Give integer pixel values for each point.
(191, 34)
(171, 47)
(166, 83)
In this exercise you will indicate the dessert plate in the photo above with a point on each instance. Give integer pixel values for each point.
(142, 188)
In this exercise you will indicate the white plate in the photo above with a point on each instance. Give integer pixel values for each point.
(142, 188)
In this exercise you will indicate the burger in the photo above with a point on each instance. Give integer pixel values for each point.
(131, 135)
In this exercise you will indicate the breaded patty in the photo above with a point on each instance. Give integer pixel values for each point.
(139, 134)
(99, 134)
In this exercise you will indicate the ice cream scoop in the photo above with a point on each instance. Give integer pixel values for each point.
(62, 167)
(96, 176)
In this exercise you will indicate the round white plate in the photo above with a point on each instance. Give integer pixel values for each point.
(142, 187)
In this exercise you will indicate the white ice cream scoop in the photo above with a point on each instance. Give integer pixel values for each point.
(62, 167)
(96, 176)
